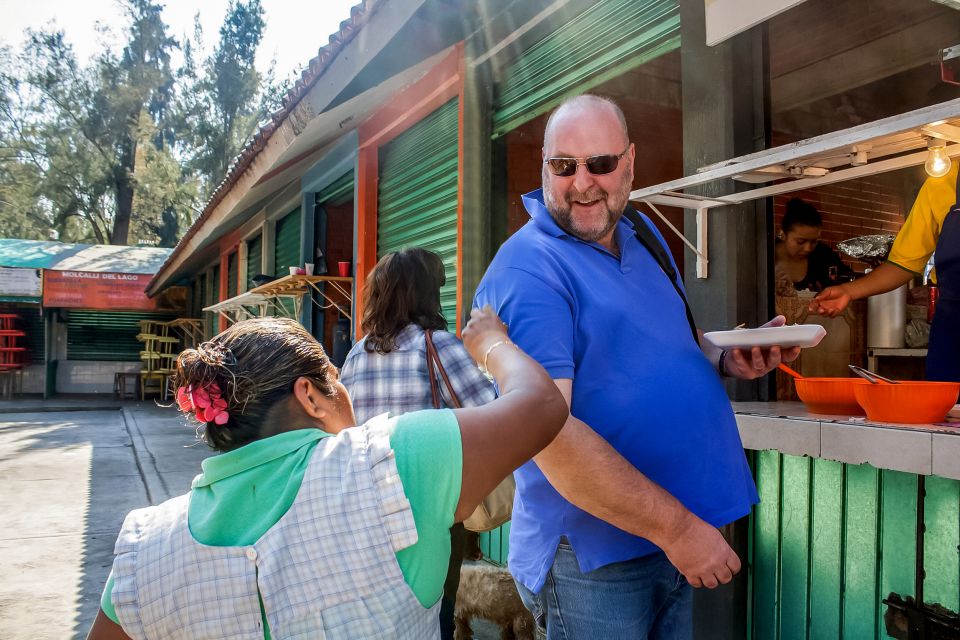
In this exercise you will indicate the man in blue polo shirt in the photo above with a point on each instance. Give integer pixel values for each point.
(618, 517)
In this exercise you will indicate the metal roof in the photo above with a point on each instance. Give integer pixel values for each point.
(62, 256)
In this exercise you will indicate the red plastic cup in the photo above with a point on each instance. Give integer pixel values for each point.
(343, 268)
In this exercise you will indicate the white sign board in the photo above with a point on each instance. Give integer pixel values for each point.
(727, 18)
(20, 282)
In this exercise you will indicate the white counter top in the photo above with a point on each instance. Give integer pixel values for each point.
(925, 449)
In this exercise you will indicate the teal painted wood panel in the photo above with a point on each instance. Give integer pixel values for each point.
(898, 538)
(829, 541)
(860, 566)
(941, 540)
(795, 547)
(604, 41)
(765, 563)
(495, 544)
(417, 195)
(826, 549)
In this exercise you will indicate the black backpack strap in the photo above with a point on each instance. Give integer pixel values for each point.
(659, 253)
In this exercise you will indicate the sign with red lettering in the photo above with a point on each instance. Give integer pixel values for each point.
(91, 290)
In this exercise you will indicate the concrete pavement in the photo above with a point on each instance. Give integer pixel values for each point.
(68, 479)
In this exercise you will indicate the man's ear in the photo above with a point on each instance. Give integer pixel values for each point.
(314, 404)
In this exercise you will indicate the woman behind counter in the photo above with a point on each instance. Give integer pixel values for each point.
(806, 261)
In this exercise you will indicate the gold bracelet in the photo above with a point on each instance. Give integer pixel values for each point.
(492, 347)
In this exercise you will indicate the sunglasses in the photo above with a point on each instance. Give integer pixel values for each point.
(597, 165)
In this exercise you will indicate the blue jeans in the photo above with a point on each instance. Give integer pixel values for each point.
(641, 599)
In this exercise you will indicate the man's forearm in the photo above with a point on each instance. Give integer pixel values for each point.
(886, 277)
(592, 475)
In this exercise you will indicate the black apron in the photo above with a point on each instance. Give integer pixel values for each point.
(943, 355)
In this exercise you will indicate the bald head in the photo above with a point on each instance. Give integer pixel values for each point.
(587, 108)
(588, 202)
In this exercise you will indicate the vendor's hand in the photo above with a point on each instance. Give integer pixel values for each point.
(482, 331)
(749, 364)
(701, 554)
(830, 302)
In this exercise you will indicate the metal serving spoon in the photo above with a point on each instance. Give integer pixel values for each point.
(874, 378)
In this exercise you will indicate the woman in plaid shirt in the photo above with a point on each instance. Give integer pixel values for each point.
(386, 370)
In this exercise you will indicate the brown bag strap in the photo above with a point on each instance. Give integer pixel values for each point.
(432, 374)
(433, 360)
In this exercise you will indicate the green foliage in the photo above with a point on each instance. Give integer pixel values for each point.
(124, 149)
(219, 105)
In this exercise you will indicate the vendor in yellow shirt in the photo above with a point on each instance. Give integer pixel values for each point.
(931, 228)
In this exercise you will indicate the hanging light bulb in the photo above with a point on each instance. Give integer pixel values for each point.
(938, 162)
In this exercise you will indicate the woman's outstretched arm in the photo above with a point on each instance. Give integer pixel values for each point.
(106, 629)
(500, 436)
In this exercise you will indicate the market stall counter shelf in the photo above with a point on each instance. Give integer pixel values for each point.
(854, 515)
(272, 296)
(339, 296)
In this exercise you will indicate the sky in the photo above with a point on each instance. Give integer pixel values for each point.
(294, 31)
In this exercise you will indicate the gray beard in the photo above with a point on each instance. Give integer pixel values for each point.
(561, 211)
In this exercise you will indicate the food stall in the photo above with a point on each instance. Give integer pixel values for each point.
(83, 314)
(857, 533)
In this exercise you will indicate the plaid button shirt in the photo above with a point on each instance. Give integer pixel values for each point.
(397, 382)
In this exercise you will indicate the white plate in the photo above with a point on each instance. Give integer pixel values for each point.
(795, 335)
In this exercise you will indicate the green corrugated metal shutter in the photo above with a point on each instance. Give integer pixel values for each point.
(106, 335)
(233, 274)
(254, 259)
(607, 39)
(417, 197)
(213, 296)
(339, 192)
(31, 321)
(199, 296)
(287, 253)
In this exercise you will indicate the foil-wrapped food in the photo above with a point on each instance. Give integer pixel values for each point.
(871, 249)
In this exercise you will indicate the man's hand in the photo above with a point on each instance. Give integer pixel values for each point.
(757, 361)
(830, 302)
(701, 554)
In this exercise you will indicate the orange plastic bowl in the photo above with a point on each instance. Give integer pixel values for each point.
(909, 402)
(832, 396)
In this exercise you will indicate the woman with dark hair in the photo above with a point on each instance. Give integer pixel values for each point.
(386, 371)
(306, 526)
(800, 255)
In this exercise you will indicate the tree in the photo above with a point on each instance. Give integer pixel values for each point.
(124, 149)
(220, 106)
(75, 131)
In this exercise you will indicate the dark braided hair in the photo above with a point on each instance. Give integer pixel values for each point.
(255, 364)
